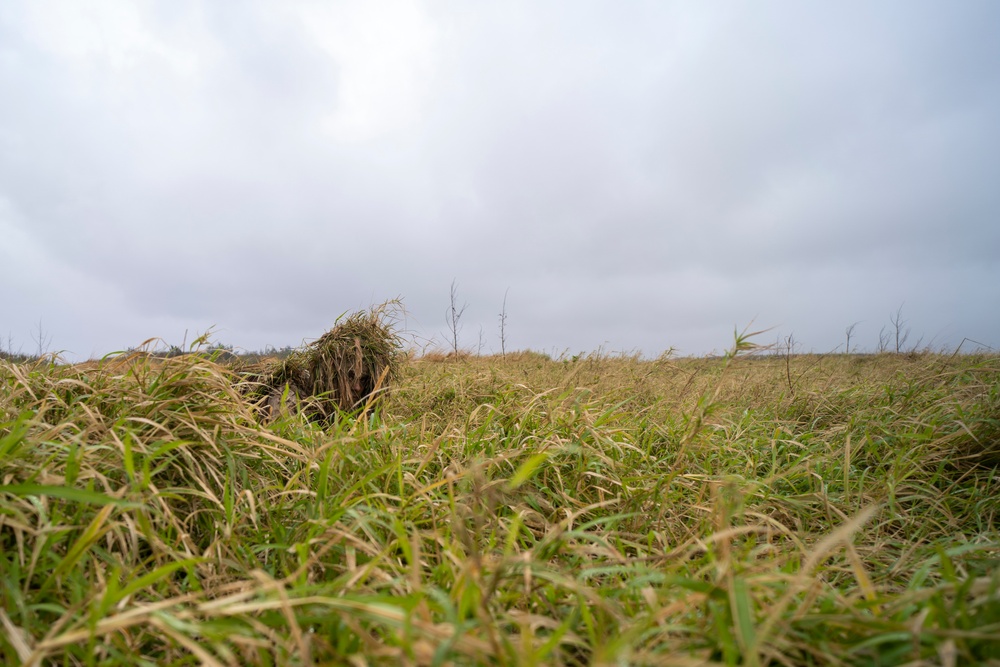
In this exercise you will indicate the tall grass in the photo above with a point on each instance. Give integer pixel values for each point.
(842, 511)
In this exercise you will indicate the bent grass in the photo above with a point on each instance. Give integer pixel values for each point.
(514, 511)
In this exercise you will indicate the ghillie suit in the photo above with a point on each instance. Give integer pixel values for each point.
(346, 369)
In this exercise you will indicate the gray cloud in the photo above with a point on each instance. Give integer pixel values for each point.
(637, 179)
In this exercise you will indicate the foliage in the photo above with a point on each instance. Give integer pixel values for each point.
(507, 511)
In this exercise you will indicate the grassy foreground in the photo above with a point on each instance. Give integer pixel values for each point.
(831, 511)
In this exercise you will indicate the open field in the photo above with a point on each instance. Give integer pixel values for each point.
(838, 510)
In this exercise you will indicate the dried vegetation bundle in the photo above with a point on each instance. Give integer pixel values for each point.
(347, 368)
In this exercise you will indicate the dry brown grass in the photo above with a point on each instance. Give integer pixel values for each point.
(524, 511)
(440, 356)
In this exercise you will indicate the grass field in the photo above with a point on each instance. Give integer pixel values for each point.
(838, 510)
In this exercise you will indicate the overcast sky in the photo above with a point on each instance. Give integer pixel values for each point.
(634, 176)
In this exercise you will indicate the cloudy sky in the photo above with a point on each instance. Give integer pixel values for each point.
(633, 176)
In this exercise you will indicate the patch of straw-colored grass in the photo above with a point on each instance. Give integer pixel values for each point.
(523, 511)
